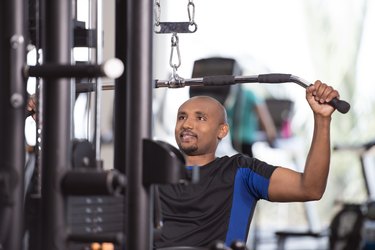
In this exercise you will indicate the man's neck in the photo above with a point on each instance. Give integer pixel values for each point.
(199, 160)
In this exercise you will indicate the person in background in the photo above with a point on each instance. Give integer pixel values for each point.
(31, 106)
(248, 114)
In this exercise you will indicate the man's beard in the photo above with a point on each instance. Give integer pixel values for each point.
(189, 150)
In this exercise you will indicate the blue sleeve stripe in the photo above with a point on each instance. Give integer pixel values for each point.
(243, 205)
(249, 187)
(260, 186)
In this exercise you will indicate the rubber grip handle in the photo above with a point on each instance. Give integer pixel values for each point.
(274, 78)
(218, 80)
(340, 105)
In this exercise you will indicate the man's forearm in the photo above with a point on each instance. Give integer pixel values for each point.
(318, 160)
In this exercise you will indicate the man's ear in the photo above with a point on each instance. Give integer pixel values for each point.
(223, 131)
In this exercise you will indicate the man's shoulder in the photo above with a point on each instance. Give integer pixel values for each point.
(237, 160)
(238, 156)
(245, 161)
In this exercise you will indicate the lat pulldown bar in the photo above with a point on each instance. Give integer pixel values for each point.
(340, 105)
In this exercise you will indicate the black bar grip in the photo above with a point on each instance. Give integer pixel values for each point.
(218, 80)
(340, 105)
(274, 78)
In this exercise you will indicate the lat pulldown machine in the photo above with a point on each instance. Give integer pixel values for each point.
(132, 146)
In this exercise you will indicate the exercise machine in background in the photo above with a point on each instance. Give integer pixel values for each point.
(353, 226)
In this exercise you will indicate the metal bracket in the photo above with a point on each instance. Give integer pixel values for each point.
(175, 27)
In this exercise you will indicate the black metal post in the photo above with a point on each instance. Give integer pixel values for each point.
(137, 116)
(56, 134)
(12, 108)
(120, 88)
(120, 96)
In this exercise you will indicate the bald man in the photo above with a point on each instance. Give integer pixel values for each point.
(221, 205)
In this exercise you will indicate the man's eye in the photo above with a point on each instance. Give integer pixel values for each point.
(201, 118)
(181, 117)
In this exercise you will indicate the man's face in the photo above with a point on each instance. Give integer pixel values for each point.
(198, 126)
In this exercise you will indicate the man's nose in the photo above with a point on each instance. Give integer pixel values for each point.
(188, 123)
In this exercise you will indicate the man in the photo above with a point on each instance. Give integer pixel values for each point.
(221, 205)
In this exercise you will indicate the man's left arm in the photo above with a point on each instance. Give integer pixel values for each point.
(289, 185)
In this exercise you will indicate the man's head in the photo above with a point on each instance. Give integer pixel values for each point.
(201, 124)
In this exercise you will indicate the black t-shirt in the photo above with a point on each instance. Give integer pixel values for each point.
(219, 207)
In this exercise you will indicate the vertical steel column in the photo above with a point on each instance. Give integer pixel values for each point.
(12, 109)
(120, 88)
(56, 134)
(98, 25)
(138, 89)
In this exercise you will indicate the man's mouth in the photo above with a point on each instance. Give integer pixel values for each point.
(187, 136)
